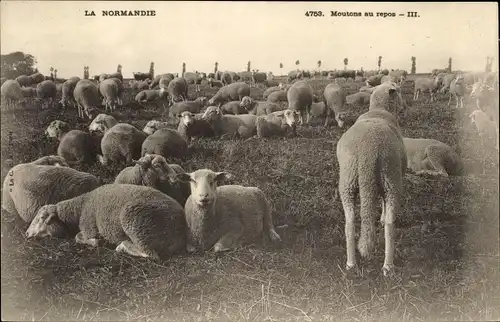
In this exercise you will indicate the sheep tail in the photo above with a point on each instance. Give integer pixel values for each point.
(368, 193)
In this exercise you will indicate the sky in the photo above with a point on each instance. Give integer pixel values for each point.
(59, 34)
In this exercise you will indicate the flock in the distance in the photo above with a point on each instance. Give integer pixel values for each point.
(155, 209)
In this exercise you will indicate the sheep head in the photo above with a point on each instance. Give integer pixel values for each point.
(46, 223)
(156, 169)
(203, 185)
(246, 102)
(387, 96)
(56, 129)
(187, 118)
(212, 113)
(102, 123)
(289, 117)
(153, 126)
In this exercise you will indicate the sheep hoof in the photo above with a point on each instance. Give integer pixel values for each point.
(349, 267)
(274, 235)
(388, 270)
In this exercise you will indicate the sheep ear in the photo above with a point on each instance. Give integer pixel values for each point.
(219, 176)
(49, 216)
(182, 177)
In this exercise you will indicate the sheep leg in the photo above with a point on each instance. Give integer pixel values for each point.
(102, 159)
(128, 247)
(461, 102)
(449, 101)
(229, 240)
(348, 201)
(81, 239)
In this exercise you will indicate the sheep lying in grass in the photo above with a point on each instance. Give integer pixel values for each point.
(151, 95)
(432, 157)
(192, 125)
(242, 125)
(75, 146)
(224, 217)
(231, 92)
(121, 142)
(269, 90)
(86, 95)
(278, 123)
(153, 126)
(153, 171)
(300, 97)
(142, 221)
(334, 98)
(190, 106)
(29, 186)
(372, 162)
(257, 107)
(167, 143)
(234, 108)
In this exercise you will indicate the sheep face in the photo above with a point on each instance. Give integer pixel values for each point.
(246, 102)
(153, 126)
(187, 118)
(212, 113)
(56, 128)
(203, 185)
(290, 117)
(156, 169)
(46, 223)
(100, 124)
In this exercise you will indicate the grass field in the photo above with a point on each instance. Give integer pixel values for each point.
(446, 246)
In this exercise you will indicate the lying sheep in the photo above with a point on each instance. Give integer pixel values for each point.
(167, 143)
(457, 91)
(430, 85)
(178, 90)
(139, 85)
(75, 146)
(432, 157)
(372, 163)
(11, 91)
(257, 107)
(151, 95)
(374, 80)
(191, 106)
(269, 90)
(67, 92)
(46, 90)
(214, 83)
(300, 98)
(153, 171)
(230, 125)
(359, 98)
(232, 92)
(192, 125)
(153, 126)
(121, 141)
(109, 90)
(224, 217)
(29, 186)
(277, 96)
(334, 97)
(277, 123)
(142, 221)
(87, 98)
(234, 108)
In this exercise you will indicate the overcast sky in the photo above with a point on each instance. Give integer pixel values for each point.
(232, 33)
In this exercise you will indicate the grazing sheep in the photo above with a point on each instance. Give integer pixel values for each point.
(67, 91)
(226, 78)
(142, 221)
(232, 92)
(359, 98)
(457, 91)
(139, 85)
(214, 83)
(153, 171)
(109, 90)
(121, 89)
(258, 107)
(153, 126)
(11, 91)
(141, 76)
(300, 97)
(318, 110)
(87, 98)
(227, 216)
(447, 79)
(194, 78)
(191, 106)
(37, 78)
(430, 85)
(269, 90)
(374, 80)
(192, 125)
(178, 90)
(234, 108)
(75, 146)
(399, 76)
(47, 90)
(372, 163)
(24, 80)
(121, 141)
(151, 95)
(29, 186)
(334, 97)
(277, 123)
(277, 96)
(258, 78)
(167, 143)
(242, 125)
(432, 157)
(29, 92)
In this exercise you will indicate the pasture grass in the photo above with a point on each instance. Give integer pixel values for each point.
(446, 245)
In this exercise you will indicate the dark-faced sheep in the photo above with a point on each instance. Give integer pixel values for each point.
(192, 125)
(372, 163)
(142, 221)
(227, 216)
(232, 92)
(166, 142)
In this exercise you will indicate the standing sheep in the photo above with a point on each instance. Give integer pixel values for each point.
(24, 80)
(194, 78)
(153, 171)
(142, 221)
(486, 128)
(87, 98)
(277, 96)
(167, 143)
(430, 85)
(67, 92)
(432, 156)
(259, 108)
(226, 78)
(334, 98)
(153, 126)
(242, 125)
(29, 186)
(192, 125)
(227, 216)
(300, 97)
(178, 90)
(372, 162)
(232, 92)
(47, 90)
(457, 91)
(151, 95)
(109, 90)
(11, 92)
(277, 123)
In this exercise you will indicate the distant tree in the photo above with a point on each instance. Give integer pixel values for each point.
(319, 67)
(16, 64)
(249, 65)
(183, 69)
(346, 62)
(379, 63)
(119, 69)
(413, 65)
(152, 70)
(281, 69)
(216, 68)
(449, 65)
(51, 72)
(86, 72)
(55, 74)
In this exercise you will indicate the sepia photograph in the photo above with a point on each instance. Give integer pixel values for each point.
(249, 161)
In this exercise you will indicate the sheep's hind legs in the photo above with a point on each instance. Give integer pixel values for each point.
(228, 241)
(348, 205)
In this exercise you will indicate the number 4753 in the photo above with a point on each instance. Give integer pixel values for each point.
(314, 14)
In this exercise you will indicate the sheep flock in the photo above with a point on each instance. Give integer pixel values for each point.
(250, 196)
